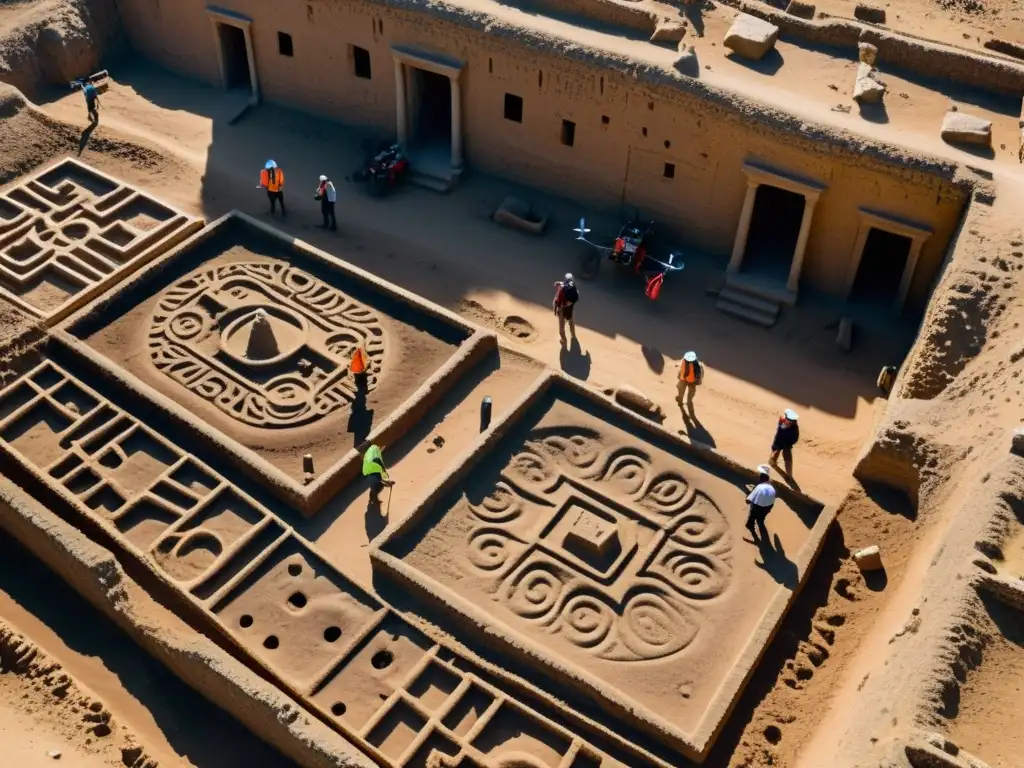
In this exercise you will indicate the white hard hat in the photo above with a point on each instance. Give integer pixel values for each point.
(690, 357)
(764, 469)
(568, 275)
(271, 164)
(790, 414)
(323, 178)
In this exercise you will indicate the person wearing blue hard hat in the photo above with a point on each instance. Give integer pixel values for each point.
(272, 180)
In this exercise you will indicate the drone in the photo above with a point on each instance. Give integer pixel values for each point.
(629, 249)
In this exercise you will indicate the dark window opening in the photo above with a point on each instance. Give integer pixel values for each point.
(490, 66)
(361, 62)
(881, 267)
(643, 131)
(667, 143)
(540, 79)
(670, 171)
(568, 132)
(605, 119)
(284, 44)
(513, 108)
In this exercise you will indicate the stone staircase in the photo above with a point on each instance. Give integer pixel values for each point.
(752, 300)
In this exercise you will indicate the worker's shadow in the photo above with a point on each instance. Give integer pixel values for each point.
(376, 518)
(83, 140)
(574, 361)
(773, 558)
(360, 419)
(695, 430)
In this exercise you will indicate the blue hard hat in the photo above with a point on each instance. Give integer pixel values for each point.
(271, 164)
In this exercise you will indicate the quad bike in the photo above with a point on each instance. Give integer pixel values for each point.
(383, 170)
(629, 249)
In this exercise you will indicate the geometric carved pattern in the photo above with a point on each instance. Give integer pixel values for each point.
(202, 326)
(70, 228)
(373, 676)
(586, 541)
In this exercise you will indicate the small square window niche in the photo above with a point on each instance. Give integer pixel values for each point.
(513, 108)
(284, 44)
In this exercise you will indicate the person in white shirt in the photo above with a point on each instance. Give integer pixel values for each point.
(328, 196)
(761, 500)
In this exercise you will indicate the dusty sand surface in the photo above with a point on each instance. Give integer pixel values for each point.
(862, 661)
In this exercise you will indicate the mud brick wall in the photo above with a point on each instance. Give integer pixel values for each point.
(610, 12)
(631, 119)
(914, 54)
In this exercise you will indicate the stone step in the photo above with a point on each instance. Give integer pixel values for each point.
(749, 308)
(431, 182)
(754, 301)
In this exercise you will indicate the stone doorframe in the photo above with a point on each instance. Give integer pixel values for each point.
(917, 233)
(810, 190)
(450, 68)
(220, 16)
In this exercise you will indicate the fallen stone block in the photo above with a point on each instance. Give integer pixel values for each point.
(868, 90)
(869, 13)
(844, 339)
(637, 401)
(517, 214)
(801, 10)
(868, 559)
(750, 37)
(1018, 441)
(867, 53)
(669, 31)
(961, 128)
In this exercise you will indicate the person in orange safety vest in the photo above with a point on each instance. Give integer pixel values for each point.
(691, 375)
(272, 180)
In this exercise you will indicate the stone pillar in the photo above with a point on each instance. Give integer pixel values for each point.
(793, 283)
(401, 105)
(858, 253)
(456, 91)
(250, 54)
(908, 273)
(739, 247)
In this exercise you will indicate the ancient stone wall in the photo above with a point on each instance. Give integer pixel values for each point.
(632, 121)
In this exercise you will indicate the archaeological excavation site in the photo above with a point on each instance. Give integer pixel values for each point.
(511, 383)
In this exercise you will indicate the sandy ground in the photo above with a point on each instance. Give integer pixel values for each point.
(170, 136)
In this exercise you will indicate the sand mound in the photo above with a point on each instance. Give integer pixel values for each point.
(53, 42)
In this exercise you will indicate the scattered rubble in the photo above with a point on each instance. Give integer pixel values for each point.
(800, 9)
(869, 13)
(669, 31)
(868, 559)
(867, 88)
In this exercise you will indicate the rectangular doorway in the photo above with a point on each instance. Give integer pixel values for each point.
(774, 231)
(235, 54)
(432, 113)
(881, 268)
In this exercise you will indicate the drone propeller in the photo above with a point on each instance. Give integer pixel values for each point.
(582, 231)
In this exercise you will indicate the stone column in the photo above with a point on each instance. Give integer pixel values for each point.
(401, 105)
(793, 283)
(250, 54)
(908, 273)
(858, 253)
(739, 247)
(456, 91)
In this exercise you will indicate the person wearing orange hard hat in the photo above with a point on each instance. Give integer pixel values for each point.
(359, 364)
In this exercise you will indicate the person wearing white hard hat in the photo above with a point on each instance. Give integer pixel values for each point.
(760, 500)
(691, 376)
(787, 433)
(327, 195)
(272, 180)
(566, 296)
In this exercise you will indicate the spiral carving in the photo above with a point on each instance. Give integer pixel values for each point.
(667, 494)
(695, 576)
(502, 506)
(488, 549)
(532, 468)
(653, 628)
(629, 471)
(703, 526)
(534, 593)
(588, 621)
(579, 451)
(188, 325)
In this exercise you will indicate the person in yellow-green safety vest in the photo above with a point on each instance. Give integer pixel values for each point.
(373, 466)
